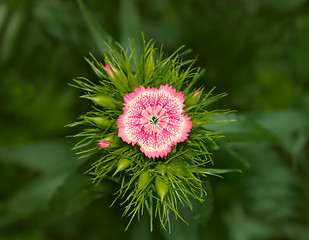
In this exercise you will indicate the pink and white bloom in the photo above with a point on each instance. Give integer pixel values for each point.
(154, 119)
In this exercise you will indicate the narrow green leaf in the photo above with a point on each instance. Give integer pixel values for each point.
(130, 25)
(76, 192)
(100, 36)
(3, 14)
(10, 35)
(212, 171)
(241, 129)
(195, 79)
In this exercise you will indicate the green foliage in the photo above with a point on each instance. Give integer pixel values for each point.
(256, 51)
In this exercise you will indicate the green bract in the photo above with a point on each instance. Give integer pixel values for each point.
(156, 186)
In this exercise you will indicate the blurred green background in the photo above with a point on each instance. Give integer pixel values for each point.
(255, 50)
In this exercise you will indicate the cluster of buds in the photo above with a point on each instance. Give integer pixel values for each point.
(149, 130)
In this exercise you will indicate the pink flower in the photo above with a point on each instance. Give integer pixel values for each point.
(104, 143)
(154, 119)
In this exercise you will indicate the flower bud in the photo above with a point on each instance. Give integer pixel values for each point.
(103, 101)
(103, 144)
(161, 169)
(110, 69)
(103, 122)
(143, 180)
(193, 98)
(161, 187)
(197, 123)
(177, 167)
(149, 67)
(123, 163)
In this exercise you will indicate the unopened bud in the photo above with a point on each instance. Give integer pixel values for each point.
(161, 187)
(103, 144)
(161, 169)
(193, 98)
(197, 123)
(123, 163)
(103, 122)
(103, 101)
(178, 168)
(143, 180)
(110, 69)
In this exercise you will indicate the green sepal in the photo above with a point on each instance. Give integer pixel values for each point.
(120, 80)
(133, 83)
(149, 67)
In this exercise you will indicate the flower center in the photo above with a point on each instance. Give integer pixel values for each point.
(154, 120)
